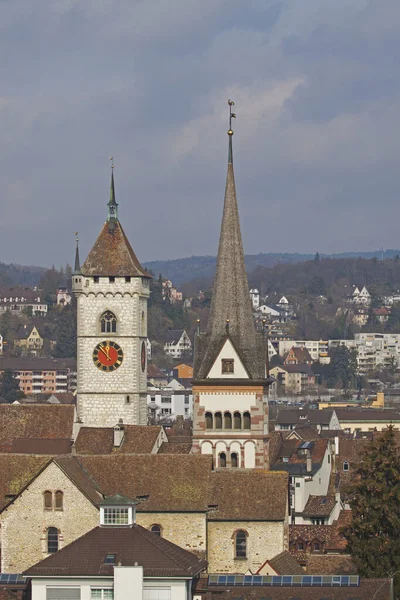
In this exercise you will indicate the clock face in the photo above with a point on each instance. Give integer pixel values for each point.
(108, 356)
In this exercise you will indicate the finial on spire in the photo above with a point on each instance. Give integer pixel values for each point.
(112, 205)
(232, 115)
(77, 267)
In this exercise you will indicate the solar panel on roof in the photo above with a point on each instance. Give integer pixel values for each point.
(285, 580)
(11, 578)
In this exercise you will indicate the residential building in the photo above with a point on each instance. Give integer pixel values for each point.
(177, 343)
(255, 298)
(290, 418)
(112, 290)
(374, 350)
(170, 402)
(298, 355)
(292, 379)
(156, 377)
(182, 371)
(18, 299)
(367, 419)
(42, 375)
(170, 293)
(318, 349)
(63, 296)
(230, 379)
(358, 297)
(28, 338)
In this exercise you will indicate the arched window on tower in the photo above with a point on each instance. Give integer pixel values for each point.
(234, 460)
(246, 420)
(227, 420)
(52, 540)
(218, 420)
(48, 500)
(222, 459)
(108, 322)
(59, 500)
(237, 421)
(209, 420)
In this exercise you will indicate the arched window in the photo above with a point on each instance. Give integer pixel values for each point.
(218, 420)
(156, 529)
(234, 460)
(227, 420)
(108, 322)
(246, 420)
(222, 459)
(237, 421)
(48, 500)
(241, 544)
(209, 420)
(59, 500)
(346, 466)
(52, 540)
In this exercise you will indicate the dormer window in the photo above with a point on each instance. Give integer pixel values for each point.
(117, 511)
(227, 366)
(110, 559)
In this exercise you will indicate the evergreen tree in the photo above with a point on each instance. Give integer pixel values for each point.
(343, 366)
(66, 332)
(9, 387)
(373, 535)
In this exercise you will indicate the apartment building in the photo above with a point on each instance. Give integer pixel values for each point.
(42, 375)
(374, 350)
(318, 349)
(171, 401)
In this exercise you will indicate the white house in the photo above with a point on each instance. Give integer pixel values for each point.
(172, 401)
(63, 296)
(177, 343)
(117, 560)
(255, 298)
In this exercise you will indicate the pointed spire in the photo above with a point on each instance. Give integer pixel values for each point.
(77, 268)
(112, 205)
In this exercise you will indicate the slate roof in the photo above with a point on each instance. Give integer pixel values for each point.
(112, 255)
(319, 506)
(85, 556)
(174, 335)
(33, 421)
(285, 564)
(138, 439)
(248, 495)
(231, 298)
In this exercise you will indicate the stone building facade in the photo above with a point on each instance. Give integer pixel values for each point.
(112, 291)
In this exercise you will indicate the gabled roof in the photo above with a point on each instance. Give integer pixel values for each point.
(319, 506)
(302, 354)
(174, 335)
(138, 439)
(304, 369)
(154, 372)
(284, 564)
(24, 331)
(17, 470)
(131, 545)
(112, 255)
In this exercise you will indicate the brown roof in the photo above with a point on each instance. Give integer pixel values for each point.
(173, 448)
(50, 421)
(138, 439)
(80, 477)
(248, 495)
(330, 564)
(26, 363)
(385, 415)
(173, 482)
(112, 255)
(17, 470)
(302, 354)
(305, 432)
(85, 556)
(378, 589)
(154, 371)
(41, 446)
(319, 506)
(285, 564)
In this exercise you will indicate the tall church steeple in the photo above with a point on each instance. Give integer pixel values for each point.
(230, 416)
(112, 217)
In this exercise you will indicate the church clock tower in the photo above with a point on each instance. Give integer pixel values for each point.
(112, 291)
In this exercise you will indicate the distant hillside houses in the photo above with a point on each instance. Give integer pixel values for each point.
(177, 343)
(17, 299)
(358, 297)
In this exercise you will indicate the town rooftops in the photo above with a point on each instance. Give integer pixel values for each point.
(302, 354)
(285, 564)
(129, 545)
(137, 439)
(36, 364)
(303, 369)
(377, 415)
(292, 416)
(319, 506)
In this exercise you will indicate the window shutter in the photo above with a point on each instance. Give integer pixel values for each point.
(64, 593)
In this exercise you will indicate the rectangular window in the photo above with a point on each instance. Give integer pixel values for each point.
(156, 593)
(127, 279)
(111, 279)
(63, 593)
(96, 279)
(102, 594)
(227, 365)
(166, 400)
(115, 516)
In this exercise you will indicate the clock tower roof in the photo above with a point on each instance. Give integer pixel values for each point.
(112, 254)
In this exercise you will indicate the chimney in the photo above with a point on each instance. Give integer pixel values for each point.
(309, 464)
(119, 434)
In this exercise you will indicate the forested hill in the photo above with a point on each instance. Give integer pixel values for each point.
(184, 270)
(20, 275)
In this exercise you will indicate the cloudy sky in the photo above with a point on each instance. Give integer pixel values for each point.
(317, 90)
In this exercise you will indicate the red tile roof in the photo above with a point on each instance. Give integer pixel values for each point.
(33, 421)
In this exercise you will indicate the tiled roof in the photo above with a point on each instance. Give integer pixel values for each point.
(304, 369)
(171, 448)
(153, 371)
(248, 495)
(138, 439)
(285, 564)
(80, 477)
(174, 335)
(330, 564)
(112, 255)
(302, 354)
(85, 556)
(385, 415)
(319, 506)
(49, 421)
(17, 470)
(306, 432)
(41, 446)
(173, 482)
(25, 363)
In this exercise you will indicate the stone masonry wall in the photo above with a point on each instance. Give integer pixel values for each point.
(187, 530)
(24, 523)
(265, 540)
